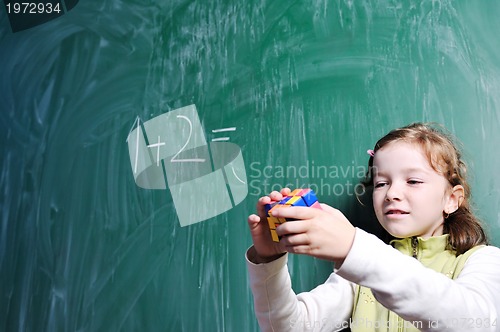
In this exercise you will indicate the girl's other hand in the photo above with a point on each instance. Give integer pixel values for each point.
(265, 249)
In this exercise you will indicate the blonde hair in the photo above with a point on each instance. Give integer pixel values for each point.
(464, 228)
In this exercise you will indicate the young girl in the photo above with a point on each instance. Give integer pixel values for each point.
(437, 274)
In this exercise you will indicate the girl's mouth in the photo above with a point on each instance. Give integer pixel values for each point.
(396, 212)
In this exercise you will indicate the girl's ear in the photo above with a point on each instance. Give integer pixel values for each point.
(455, 199)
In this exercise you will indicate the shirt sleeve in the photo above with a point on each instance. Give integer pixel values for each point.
(328, 307)
(403, 285)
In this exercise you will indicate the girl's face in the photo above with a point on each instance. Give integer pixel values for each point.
(409, 196)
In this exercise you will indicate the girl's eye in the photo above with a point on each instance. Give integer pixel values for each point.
(380, 184)
(413, 182)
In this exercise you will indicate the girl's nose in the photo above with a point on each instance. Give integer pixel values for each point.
(394, 193)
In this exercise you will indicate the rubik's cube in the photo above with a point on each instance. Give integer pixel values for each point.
(298, 197)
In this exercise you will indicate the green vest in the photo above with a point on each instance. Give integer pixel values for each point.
(369, 315)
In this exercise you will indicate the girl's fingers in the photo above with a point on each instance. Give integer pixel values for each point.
(292, 228)
(296, 212)
(272, 197)
(300, 249)
(275, 196)
(253, 219)
(294, 240)
(264, 200)
(261, 203)
(285, 191)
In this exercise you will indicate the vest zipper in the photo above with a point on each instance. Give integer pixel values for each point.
(414, 245)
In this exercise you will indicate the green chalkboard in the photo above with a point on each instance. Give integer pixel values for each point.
(302, 88)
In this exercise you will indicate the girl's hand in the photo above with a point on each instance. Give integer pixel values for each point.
(265, 248)
(325, 234)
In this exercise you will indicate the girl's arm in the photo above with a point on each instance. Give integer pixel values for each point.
(417, 293)
(278, 308)
(325, 308)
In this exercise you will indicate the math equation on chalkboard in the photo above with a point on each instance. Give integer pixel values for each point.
(171, 151)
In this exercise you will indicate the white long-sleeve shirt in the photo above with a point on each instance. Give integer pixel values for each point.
(404, 285)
